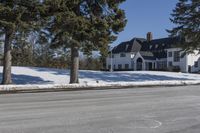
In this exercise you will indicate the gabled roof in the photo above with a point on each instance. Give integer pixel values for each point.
(133, 45)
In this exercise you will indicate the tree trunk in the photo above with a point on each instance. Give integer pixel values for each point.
(7, 58)
(74, 65)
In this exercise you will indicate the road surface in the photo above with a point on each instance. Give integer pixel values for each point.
(137, 110)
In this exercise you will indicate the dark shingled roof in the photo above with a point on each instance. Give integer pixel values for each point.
(149, 50)
(158, 46)
(133, 45)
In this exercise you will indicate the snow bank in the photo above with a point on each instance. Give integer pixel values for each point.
(48, 87)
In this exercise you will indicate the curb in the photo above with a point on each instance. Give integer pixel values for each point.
(78, 87)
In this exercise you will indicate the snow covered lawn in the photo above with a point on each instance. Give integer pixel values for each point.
(34, 75)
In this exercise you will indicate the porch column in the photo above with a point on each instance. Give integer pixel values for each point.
(144, 65)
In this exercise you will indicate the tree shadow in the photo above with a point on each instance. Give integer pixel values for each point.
(52, 70)
(126, 77)
(115, 76)
(26, 79)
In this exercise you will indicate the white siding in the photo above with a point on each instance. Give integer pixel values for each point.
(131, 59)
(182, 63)
(186, 61)
(117, 60)
(192, 58)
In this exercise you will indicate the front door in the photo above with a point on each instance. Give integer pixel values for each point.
(150, 65)
(139, 64)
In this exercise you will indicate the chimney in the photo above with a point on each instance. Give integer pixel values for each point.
(149, 36)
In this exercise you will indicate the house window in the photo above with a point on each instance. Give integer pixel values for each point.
(170, 64)
(120, 66)
(196, 64)
(156, 46)
(127, 47)
(126, 66)
(114, 67)
(176, 56)
(169, 54)
(122, 55)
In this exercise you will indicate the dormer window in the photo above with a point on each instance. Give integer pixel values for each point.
(169, 54)
(156, 46)
(122, 55)
(126, 47)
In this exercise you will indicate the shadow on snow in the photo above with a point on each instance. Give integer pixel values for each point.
(26, 79)
(52, 70)
(112, 77)
(126, 77)
(94, 75)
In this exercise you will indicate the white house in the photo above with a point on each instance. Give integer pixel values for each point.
(152, 54)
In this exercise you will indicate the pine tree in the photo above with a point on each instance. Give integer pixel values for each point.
(22, 50)
(84, 25)
(15, 15)
(186, 16)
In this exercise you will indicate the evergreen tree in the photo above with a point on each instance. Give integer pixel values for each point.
(84, 25)
(186, 16)
(22, 50)
(15, 15)
(104, 54)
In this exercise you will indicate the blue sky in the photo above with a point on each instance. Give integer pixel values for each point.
(146, 16)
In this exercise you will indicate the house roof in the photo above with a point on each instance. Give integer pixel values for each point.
(133, 45)
(149, 50)
(158, 46)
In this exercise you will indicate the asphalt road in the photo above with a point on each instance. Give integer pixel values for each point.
(137, 110)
